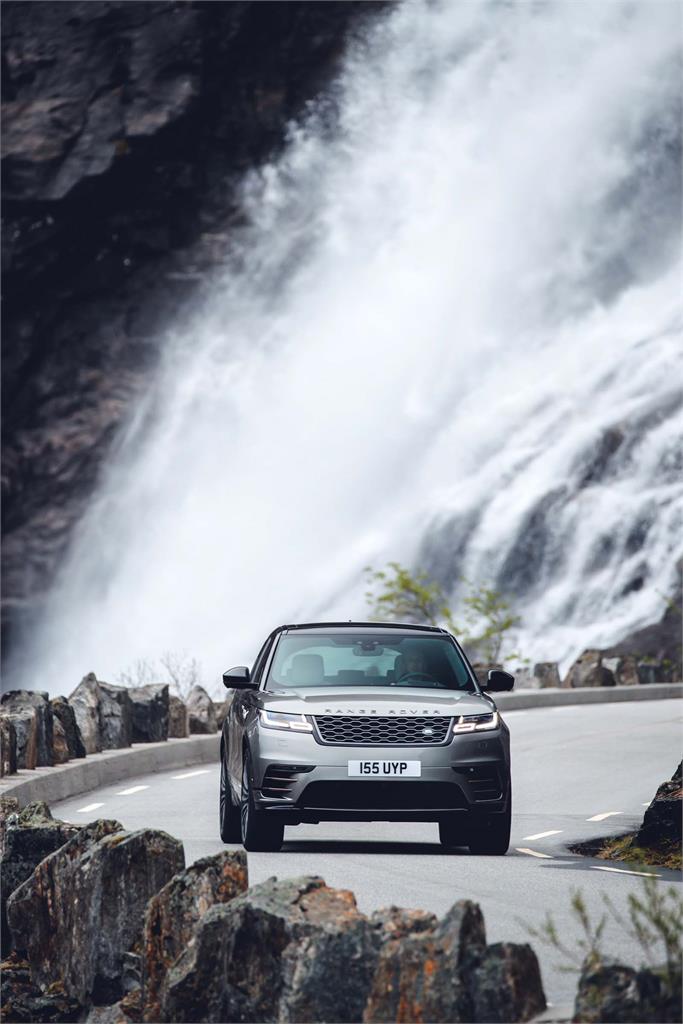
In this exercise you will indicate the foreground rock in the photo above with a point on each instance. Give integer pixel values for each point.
(432, 970)
(615, 993)
(8, 746)
(662, 819)
(172, 916)
(296, 950)
(21, 703)
(291, 950)
(150, 712)
(83, 907)
(65, 718)
(589, 670)
(22, 1001)
(28, 836)
(177, 718)
(200, 711)
(104, 714)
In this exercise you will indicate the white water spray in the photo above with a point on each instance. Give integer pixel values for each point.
(453, 337)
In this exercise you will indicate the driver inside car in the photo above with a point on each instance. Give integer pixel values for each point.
(411, 663)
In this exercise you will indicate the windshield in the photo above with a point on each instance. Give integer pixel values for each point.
(432, 662)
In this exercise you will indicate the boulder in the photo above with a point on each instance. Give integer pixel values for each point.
(83, 907)
(85, 701)
(23, 1001)
(103, 714)
(60, 747)
(613, 992)
(177, 718)
(200, 710)
(430, 970)
(290, 950)
(149, 705)
(19, 701)
(64, 714)
(24, 723)
(8, 746)
(29, 835)
(662, 819)
(547, 673)
(651, 671)
(173, 913)
(588, 670)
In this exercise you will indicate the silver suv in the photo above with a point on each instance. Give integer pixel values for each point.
(364, 722)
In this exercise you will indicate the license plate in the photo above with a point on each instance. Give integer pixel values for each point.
(386, 769)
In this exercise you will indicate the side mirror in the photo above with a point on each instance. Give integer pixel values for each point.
(238, 679)
(499, 681)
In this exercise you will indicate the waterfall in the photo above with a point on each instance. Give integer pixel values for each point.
(449, 335)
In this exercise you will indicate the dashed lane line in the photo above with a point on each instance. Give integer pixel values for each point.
(601, 817)
(533, 853)
(189, 775)
(88, 808)
(624, 871)
(542, 835)
(133, 789)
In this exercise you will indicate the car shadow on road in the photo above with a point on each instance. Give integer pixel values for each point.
(360, 846)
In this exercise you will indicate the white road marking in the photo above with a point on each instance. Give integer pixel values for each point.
(89, 807)
(601, 817)
(623, 871)
(188, 775)
(133, 789)
(542, 835)
(533, 853)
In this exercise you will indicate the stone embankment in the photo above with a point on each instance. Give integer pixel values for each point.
(36, 731)
(108, 926)
(593, 668)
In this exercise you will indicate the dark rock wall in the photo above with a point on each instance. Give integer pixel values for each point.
(126, 127)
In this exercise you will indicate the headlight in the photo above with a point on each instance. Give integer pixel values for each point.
(284, 720)
(476, 723)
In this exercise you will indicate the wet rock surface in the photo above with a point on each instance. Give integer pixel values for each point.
(177, 718)
(64, 715)
(22, 1001)
(28, 836)
(291, 950)
(83, 907)
(610, 992)
(21, 702)
(172, 917)
(201, 713)
(663, 818)
(150, 707)
(8, 746)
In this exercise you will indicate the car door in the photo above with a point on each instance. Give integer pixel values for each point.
(239, 715)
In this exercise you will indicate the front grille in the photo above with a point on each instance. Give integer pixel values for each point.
(279, 778)
(384, 732)
(381, 796)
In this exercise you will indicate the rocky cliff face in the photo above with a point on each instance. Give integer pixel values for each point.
(127, 127)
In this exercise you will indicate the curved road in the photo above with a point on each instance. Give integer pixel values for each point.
(578, 771)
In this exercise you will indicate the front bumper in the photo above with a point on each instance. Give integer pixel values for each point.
(305, 781)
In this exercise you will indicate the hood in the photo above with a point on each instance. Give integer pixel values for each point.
(383, 701)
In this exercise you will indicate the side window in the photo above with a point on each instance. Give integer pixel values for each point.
(261, 660)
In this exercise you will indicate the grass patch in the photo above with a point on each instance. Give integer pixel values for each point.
(667, 853)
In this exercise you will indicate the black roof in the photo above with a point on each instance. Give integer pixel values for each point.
(374, 627)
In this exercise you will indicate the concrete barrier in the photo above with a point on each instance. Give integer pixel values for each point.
(96, 770)
(555, 698)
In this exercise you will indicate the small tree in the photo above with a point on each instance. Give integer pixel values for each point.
(179, 670)
(396, 593)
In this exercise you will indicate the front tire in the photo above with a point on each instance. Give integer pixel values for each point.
(490, 833)
(228, 814)
(259, 834)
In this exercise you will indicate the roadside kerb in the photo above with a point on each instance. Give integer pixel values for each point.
(63, 781)
(555, 697)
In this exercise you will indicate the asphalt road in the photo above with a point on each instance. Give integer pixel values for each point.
(578, 771)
